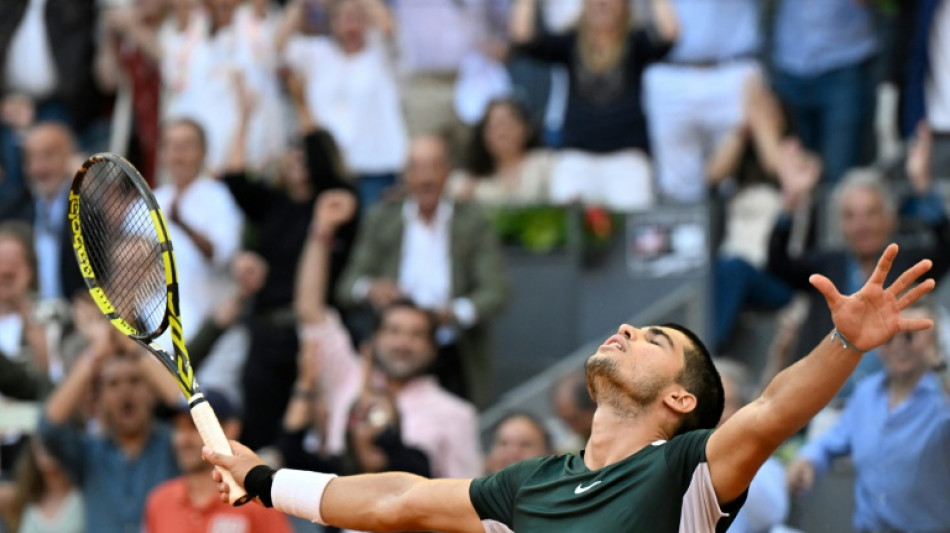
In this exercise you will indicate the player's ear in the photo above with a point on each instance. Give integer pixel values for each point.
(680, 400)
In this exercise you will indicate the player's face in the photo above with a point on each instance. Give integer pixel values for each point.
(182, 152)
(403, 344)
(636, 364)
(515, 440)
(187, 443)
(126, 400)
(912, 352)
(15, 272)
(865, 222)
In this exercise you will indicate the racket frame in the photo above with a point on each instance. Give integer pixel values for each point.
(179, 366)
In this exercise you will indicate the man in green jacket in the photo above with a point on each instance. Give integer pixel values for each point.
(444, 256)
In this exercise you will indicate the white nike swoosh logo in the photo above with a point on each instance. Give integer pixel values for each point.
(581, 490)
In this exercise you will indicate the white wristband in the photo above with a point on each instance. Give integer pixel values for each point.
(299, 493)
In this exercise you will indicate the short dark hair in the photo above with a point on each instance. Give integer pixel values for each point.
(407, 303)
(700, 377)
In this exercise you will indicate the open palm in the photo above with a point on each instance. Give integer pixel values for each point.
(871, 316)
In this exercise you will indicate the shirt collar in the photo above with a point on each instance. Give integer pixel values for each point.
(410, 211)
(929, 383)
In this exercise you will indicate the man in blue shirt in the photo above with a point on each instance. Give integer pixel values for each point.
(822, 57)
(896, 428)
(117, 467)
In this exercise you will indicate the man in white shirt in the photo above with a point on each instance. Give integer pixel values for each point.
(445, 257)
(204, 221)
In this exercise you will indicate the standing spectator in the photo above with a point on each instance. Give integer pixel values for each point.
(505, 166)
(442, 255)
(604, 127)
(47, 49)
(517, 436)
(766, 505)
(694, 98)
(868, 215)
(926, 76)
(117, 468)
(402, 347)
(49, 149)
(180, 39)
(24, 361)
(204, 222)
(208, 58)
(190, 503)
(130, 57)
(45, 500)
(896, 429)
(822, 56)
(359, 103)
(434, 36)
(280, 215)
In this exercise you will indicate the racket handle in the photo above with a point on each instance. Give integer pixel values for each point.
(213, 436)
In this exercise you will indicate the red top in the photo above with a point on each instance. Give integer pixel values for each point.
(169, 510)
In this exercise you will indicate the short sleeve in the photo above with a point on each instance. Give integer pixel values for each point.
(685, 452)
(493, 497)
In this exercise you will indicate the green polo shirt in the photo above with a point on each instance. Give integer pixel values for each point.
(664, 487)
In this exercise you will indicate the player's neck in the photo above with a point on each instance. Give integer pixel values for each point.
(616, 436)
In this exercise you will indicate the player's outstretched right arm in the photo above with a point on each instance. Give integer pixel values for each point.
(391, 501)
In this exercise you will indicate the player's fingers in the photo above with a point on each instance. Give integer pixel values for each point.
(883, 265)
(916, 293)
(826, 288)
(915, 324)
(217, 459)
(910, 276)
(216, 476)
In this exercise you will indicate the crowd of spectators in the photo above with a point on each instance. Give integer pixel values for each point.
(328, 167)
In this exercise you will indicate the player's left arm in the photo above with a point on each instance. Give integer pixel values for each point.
(867, 319)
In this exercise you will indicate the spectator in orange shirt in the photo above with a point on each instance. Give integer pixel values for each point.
(189, 503)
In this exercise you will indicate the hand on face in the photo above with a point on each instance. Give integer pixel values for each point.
(871, 316)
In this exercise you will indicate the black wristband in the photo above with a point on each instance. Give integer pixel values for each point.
(258, 482)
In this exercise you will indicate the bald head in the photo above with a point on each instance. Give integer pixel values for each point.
(48, 151)
(427, 171)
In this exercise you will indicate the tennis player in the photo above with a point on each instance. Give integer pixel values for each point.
(653, 462)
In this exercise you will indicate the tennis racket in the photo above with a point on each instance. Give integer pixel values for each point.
(125, 255)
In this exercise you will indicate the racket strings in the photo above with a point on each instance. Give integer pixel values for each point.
(123, 246)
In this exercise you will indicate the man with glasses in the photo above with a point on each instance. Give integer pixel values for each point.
(896, 429)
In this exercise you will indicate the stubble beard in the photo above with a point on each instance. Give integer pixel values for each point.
(609, 388)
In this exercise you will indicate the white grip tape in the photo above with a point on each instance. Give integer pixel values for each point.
(213, 436)
(299, 493)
